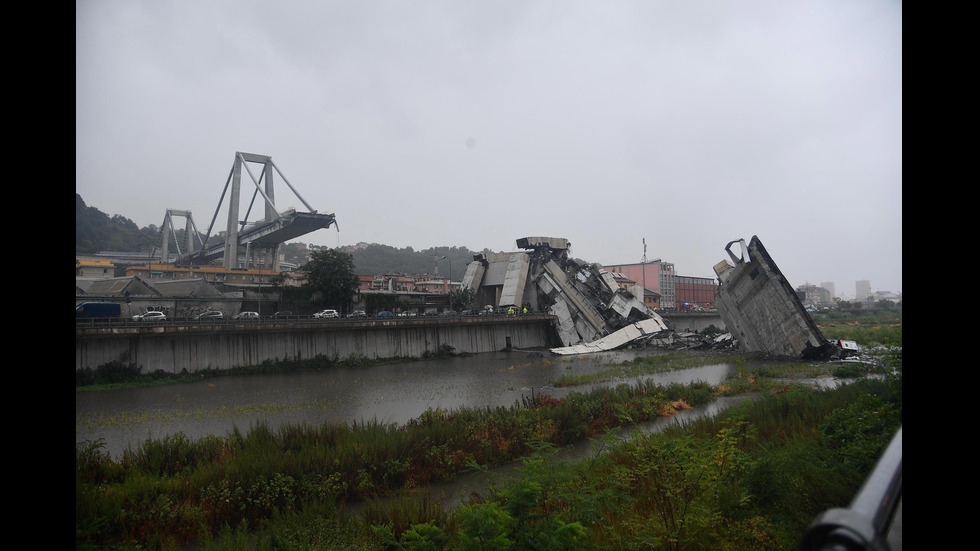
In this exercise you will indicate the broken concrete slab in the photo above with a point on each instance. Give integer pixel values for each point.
(761, 309)
(615, 340)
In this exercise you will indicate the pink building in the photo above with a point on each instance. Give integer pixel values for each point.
(656, 277)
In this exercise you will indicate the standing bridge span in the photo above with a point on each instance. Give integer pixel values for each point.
(245, 243)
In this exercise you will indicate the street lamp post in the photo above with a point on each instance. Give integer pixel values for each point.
(449, 286)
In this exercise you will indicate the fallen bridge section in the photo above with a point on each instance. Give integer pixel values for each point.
(761, 310)
(617, 339)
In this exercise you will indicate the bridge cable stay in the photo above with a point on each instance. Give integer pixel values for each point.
(275, 220)
(298, 196)
(207, 236)
(258, 189)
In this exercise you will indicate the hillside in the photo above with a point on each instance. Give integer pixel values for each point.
(97, 231)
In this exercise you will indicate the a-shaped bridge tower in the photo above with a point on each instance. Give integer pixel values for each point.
(256, 244)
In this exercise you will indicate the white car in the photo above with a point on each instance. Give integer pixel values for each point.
(248, 316)
(150, 316)
(326, 314)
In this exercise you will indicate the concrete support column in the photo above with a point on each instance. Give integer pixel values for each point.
(231, 237)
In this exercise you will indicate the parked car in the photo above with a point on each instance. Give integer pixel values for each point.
(357, 314)
(407, 314)
(326, 314)
(211, 315)
(247, 316)
(150, 317)
(384, 314)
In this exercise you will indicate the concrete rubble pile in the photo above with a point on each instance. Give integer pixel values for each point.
(693, 341)
(592, 312)
(759, 308)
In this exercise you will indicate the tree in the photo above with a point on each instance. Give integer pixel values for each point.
(461, 297)
(331, 274)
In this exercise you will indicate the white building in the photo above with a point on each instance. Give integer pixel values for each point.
(862, 289)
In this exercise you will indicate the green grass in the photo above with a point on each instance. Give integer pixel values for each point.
(883, 329)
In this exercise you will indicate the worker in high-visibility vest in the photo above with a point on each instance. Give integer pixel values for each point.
(510, 311)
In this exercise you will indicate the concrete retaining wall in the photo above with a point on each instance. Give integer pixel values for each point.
(174, 348)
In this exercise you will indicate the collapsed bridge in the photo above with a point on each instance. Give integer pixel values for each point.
(587, 302)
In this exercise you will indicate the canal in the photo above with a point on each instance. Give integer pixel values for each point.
(394, 393)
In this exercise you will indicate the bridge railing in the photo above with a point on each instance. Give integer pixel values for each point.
(865, 524)
(304, 318)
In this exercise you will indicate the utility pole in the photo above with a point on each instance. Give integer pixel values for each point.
(643, 266)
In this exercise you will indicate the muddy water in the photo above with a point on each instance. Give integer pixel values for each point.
(123, 419)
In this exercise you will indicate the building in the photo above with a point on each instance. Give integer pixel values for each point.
(829, 286)
(813, 295)
(189, 288)
(695, 294)
(651, 299)
(887, 295)
(177, 298)
(121, 288)
(862, 290)
(657, 277)
(434, 285)
(94, 269)
(365, 282)
(393, 282)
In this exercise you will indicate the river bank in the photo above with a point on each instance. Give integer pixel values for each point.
(376, 457)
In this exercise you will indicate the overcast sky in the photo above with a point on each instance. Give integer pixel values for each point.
(474, 123)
